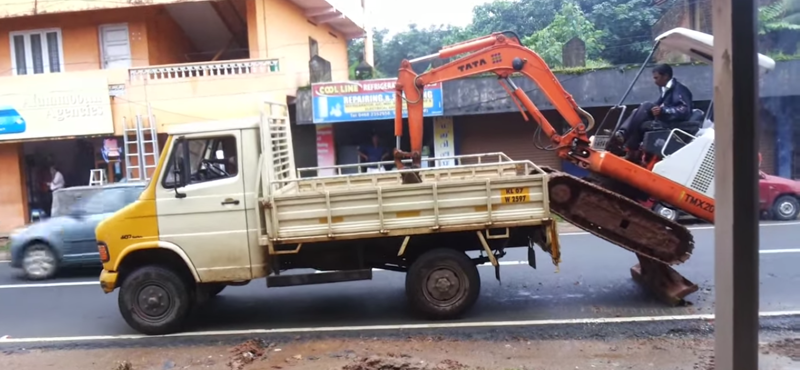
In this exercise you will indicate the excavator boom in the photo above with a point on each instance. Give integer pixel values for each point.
(658, 242)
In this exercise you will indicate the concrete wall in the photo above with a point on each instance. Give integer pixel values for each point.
(279, 29)
(595, 89)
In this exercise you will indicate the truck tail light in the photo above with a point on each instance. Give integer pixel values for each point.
(103, 249)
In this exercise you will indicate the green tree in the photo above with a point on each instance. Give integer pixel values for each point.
(570, 22)
(781, 15)
(521, 16)
(627, 27)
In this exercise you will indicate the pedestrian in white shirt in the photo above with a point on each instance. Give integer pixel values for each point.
(57, 180)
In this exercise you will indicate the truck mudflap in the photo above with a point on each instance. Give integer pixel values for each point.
(657, 241)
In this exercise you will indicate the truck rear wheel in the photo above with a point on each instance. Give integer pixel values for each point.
(442, 284)
(155, 300)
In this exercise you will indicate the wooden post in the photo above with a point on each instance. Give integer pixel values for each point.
(736, 193)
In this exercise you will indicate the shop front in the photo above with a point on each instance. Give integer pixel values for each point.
(354, 122)
(58, 121)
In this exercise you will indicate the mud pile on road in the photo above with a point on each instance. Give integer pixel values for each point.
(400, 362)
(789, 347)
(247, 352)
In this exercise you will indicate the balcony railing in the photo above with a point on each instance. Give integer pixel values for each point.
(205, 69)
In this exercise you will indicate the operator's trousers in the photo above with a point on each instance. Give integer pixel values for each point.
(632, 126)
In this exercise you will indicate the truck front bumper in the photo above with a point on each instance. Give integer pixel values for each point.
(108, 281)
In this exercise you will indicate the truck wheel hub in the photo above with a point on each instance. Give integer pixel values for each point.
(154, 301)
(443, 284)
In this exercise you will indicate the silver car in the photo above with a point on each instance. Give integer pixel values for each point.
(67, 239)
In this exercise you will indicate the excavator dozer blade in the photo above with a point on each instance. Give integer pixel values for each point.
(657, 241)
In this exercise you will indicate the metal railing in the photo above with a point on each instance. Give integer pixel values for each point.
(461, 172)
(204, 69)
(481, 159)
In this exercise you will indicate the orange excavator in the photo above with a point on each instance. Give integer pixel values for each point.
(592, 205)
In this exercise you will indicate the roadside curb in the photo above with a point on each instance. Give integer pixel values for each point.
(5, 256)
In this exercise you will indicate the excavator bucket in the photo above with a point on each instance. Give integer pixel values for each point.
(657, 242)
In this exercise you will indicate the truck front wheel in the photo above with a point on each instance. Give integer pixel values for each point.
(442, 284)
(155, 300)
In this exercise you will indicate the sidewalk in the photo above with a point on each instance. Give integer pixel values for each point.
(410, 354)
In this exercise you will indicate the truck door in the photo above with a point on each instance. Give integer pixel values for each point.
(204, 212)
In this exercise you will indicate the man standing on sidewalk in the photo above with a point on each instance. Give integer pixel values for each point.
(56, 182)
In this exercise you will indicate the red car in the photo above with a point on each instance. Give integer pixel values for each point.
(778, 199)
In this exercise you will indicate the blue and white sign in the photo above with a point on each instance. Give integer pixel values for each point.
(366, 101)
(11, 122)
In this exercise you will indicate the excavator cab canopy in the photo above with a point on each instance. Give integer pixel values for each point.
(699, 46)
(695, 44)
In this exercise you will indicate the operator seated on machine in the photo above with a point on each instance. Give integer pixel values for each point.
(673, 108)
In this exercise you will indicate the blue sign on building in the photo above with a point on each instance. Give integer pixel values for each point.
(11, 122)
(366, 101)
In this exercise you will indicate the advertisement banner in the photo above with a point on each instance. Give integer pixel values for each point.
(366, 101)
(444, 141)
(326, 150)
(54, 105)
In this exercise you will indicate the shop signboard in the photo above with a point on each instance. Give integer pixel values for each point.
(54, 105)
(366, 101)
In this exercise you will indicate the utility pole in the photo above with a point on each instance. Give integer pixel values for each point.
(736, 194)
(369, 54)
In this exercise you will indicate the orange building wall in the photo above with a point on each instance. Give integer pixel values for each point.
(79, 35)
(166, 40)
(12, 188)
(154, 37)
(287, 32)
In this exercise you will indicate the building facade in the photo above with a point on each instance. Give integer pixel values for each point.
(75, 74)
(485, 120)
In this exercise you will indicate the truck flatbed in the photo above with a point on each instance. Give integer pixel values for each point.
(495, 192)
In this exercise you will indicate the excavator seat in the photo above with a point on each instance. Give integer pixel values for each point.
(657, 134)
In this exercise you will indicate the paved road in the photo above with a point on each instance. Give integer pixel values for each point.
(594, 282)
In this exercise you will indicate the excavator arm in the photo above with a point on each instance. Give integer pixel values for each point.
(503, 56)
(596, 208)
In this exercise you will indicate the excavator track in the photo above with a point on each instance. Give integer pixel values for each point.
(657, 241)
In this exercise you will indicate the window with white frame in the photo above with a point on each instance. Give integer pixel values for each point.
(36, 51)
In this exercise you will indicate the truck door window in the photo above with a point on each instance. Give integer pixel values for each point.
(210, 158)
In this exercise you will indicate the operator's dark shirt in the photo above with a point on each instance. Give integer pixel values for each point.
(676, 103)
(373, 154)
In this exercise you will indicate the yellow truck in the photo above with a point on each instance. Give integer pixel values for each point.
(226, 205)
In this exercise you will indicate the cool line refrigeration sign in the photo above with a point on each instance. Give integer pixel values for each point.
(366, 101)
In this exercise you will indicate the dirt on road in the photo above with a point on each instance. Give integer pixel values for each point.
(407, 354)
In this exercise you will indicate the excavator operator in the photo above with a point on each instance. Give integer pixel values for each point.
(672, 108)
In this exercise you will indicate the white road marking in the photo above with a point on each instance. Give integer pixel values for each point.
(453, 325)
(48, 285)
(773, 251)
